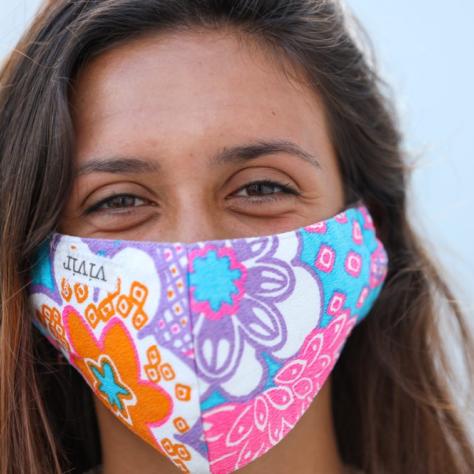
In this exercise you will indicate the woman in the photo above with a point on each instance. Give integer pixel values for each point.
(110, 113)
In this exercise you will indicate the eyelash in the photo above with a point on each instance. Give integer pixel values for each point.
(286, 189)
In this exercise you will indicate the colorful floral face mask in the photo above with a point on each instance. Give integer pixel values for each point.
(210, 351)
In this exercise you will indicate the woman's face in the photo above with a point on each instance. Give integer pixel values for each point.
(176, 133)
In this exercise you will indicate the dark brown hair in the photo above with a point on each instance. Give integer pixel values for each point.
(393, 385)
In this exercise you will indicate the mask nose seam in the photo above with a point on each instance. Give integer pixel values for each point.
(188, 249)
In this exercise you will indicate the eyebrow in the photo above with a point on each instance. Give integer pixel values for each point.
(118, 164)
(235, 154)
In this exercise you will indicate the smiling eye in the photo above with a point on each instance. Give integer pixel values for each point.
(265, 189)
(119, 201)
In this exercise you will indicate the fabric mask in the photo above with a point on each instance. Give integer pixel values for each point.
(209, 351)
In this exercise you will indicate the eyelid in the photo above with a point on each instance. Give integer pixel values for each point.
(287, 187)
(96, 207)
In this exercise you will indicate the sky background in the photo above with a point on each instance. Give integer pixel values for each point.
(425, 52)
(424, 49)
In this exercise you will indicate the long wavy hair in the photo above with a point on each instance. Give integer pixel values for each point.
(393, 395)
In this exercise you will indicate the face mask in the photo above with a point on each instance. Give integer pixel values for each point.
(209, 351)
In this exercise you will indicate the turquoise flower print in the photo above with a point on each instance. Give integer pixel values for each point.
(216, 281)
(108, 383)
(255, 325)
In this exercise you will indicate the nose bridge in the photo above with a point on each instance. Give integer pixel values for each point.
(194, 217)
(193, 225)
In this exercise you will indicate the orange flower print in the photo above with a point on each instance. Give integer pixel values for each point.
(111, 367)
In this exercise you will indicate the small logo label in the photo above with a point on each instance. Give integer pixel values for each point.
(90, 269)
(80, 266)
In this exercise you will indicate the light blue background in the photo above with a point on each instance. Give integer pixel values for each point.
(425, 50)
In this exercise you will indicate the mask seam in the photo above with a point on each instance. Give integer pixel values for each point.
(187, 249)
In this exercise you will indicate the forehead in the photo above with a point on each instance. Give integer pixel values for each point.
(200, 86)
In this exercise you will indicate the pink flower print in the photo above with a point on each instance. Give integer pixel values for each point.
(325, 258)
(378, 266)
(353, 263)
(236, 433)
